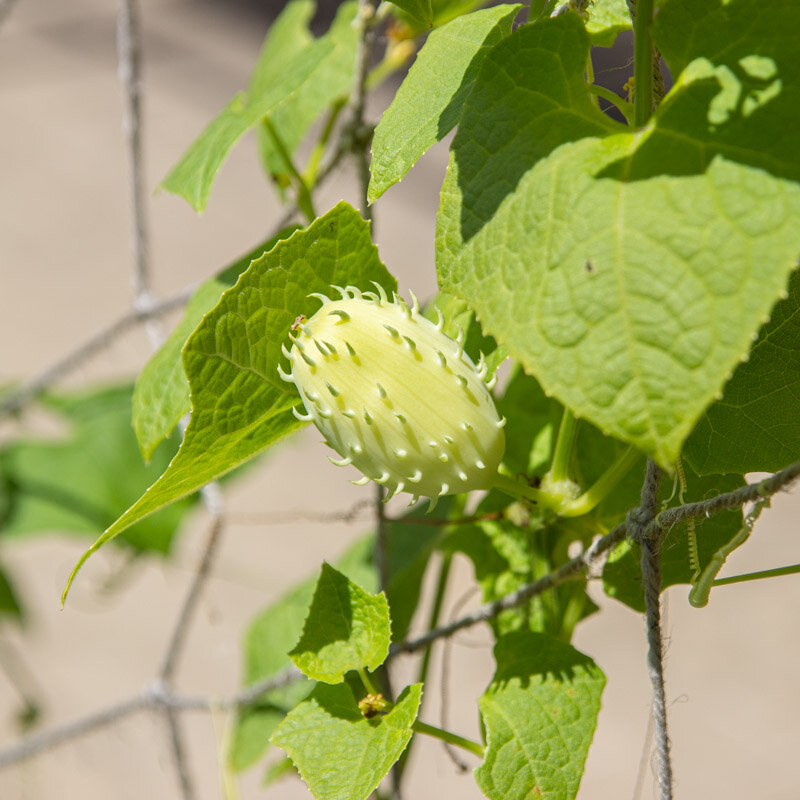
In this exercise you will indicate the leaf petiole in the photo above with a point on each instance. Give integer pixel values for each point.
(449, 737)
(584, 503)
(559, 469)
(623, 106)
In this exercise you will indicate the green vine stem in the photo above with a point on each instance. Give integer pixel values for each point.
(304, 201)
(642, 13)
(367, 681)
(624, 107)
(449, 737)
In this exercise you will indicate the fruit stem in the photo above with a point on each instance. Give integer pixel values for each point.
(521, 491)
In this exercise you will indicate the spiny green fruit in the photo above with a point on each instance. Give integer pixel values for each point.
(395, 396)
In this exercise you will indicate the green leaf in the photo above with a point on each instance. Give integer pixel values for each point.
(340, 754)
(755, 427)
(239, 404)
(428, 103)
(161, 394)
(622, 577)
(418, 10)
(77, 482)
(297, 89)
(628, 272)
(10, 607)
(346, 628)
(274, 631)
(507, 554)
(607, 19)
(289, 42)
(540, 712)
(532, 425)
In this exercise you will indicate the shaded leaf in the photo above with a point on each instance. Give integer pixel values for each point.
(635, 267)
(340, 754)
(755, 427)
(428, 104)
(239, 404)
(540, 712)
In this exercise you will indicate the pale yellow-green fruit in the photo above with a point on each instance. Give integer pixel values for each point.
(395, 396)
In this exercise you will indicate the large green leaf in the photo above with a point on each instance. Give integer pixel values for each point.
(540, 712)
(428, 103)
(346, 628)
(293, 95)
(239, 404)
(161, 394)
(77, 482)
(628, 272)
(755, 427)
(340, 754)
(622, 576)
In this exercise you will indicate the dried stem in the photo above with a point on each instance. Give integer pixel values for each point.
(572, 569)
(17, 399)
(211, 496)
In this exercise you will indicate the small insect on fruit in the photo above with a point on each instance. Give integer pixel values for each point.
(395, 396)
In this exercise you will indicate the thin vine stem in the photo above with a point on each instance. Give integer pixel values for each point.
(642, 15)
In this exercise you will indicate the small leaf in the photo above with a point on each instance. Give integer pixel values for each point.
(429, 101)
(161, 394)
(328, 60)
(607, 19)
(622, 575)
(239, 404)
(419, 10)
(340, 754)
(540, 712)
(755, 427)
(346, 629)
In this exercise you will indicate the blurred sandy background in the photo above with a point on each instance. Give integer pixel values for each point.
(65, 264)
